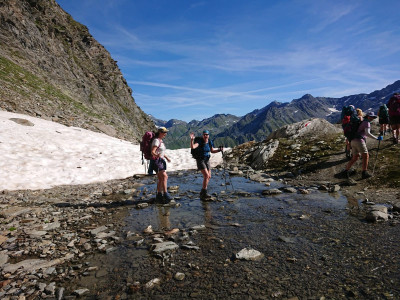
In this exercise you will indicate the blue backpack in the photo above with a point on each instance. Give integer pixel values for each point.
(198, 153)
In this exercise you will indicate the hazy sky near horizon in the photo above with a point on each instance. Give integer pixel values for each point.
(190, 60)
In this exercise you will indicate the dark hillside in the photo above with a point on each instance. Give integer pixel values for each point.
(51, 66)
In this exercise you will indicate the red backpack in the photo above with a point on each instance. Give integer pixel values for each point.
(394, 105)
(145, 144)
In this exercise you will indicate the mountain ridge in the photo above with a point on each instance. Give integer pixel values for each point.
(259, 123)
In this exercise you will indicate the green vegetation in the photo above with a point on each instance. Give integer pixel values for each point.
(27, 84)
(12, 229)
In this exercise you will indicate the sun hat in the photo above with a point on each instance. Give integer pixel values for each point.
(163, 130)
(371, 114)
(206, 132)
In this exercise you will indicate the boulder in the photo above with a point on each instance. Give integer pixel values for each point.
(306, 128)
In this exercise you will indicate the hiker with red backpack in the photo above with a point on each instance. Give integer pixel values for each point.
(357, 136)
(145, 148)
(350, 119)
(160, 165)
(394, 116)
(201, 149)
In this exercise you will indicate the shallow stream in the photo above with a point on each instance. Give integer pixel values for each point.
(314, 245)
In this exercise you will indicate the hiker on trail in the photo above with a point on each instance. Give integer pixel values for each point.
(394, 116)
(383, 115)
(359, 146)
(204, 147)
(347, 113)
(160, 165)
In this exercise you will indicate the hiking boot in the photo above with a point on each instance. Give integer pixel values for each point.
(159, 198)
(351, 172)
(365, 175)
(344, 174)
(167, 198)
(204, 195)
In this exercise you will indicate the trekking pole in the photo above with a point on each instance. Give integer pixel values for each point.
(224, 164)
(224, 167)
(143, 164)
(376, 157)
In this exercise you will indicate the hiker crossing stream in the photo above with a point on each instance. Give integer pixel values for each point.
(244, 242)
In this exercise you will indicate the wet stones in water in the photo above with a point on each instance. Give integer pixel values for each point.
(260, 177)
(289, 190)
(198, 227)
(335, 188)
(243, 194)
(304, 191)
(272, 192)
(148, 230)
(142, 205)
(173, 189)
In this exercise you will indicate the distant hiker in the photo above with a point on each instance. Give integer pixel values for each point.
(202, 147)
(394, 116)
(359, 146)
(160, 165)
(383, 115)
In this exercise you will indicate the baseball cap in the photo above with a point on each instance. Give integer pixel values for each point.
(163, 129)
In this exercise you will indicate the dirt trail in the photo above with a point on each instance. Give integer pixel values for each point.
(376, 188)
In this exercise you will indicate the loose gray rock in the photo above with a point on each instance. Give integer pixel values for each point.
(98, 230)
(249, 254)
(179, 276)
(164, 246)
(80, 292)
(377, 213)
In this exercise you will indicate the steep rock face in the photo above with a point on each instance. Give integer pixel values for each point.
(50, 66)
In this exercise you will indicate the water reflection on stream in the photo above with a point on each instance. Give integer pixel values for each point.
(240, 202)
(303, 238)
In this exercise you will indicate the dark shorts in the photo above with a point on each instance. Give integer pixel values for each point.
(394, 120)
(383, 121)
(203, 163)
(160, 165)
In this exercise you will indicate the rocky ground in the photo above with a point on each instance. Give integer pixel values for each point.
(55, 243)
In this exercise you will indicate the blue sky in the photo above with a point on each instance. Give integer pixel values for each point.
(192, 59)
